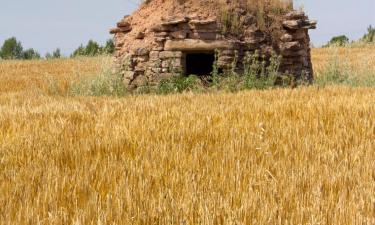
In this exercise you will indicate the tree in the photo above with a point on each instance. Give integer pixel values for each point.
(80, 51)
(92, 48)
(11, 49)
(48, 55)
(109, 47)
(338, 41)
(30, 54)
(56, 54)
(370, 35)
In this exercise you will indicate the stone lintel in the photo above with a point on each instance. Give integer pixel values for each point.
(197, 45)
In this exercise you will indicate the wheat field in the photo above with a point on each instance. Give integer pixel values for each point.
(281, 156)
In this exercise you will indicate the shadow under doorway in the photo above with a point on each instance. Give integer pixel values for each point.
(199, 63)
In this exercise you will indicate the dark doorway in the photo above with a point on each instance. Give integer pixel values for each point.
(199, 63)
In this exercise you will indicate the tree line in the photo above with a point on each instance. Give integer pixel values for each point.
(13, 49)
(343, 40)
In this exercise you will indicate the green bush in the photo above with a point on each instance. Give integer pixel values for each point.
(11, 49)
(56, 54)
(102, 84)
(30, 54)
(178, 84)
(92, 48)
(338, 72)
(338, 41)
(369, 37)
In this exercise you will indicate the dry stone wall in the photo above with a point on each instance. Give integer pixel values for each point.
(174, 38)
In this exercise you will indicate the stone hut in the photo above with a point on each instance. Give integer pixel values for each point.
(166, 37)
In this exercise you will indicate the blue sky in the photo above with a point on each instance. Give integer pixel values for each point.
(48, 24)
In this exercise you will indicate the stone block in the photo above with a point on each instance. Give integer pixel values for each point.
(141, 51)
(140, 35)
(160, 39)
(180, 34)
(293, 45)
(196, 45)
(203, 35)
(141, 59)
(154, 55)
(203, 24)
(293, 24)
(139, 81)
(170, 54)
(161, 34)
(171, 63)
(159, 28)
(129, 75)
(295, 15)
(174, 21)
(286, 38)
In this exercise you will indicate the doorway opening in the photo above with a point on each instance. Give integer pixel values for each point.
(199, 63)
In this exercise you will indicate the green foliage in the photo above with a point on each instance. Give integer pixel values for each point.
(92, 48)
(30, 54)
(178, 84)
(369, 37)
(102, 84)
(215, 70)
(56, 54)
(338, 41)
(11, 49)
(109, 47)
(231, 22)
(338, 72)
(80, 51)
(259, 75)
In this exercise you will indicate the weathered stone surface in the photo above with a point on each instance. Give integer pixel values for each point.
(174, 21)
(286, 38)
(293, 24)
(249, 20)
(202, 22)
(171, 63)
(162, 34)
(140, 35)
(294, 45)
(140, 67)
(170, 54)
(299, 34)
(159, 28)
(309, 24)
(203, 35)
(143, 58)
(179, 34)
(160, 39)
(197, 45)
(227, 52)
(254, 36)
(114, 30)
(295, 15)
(123, 24)
(154, 55)
(139, 81)
(299, 24)
(225, 59)
(129, 75)
(141, 51)
(298, 53)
